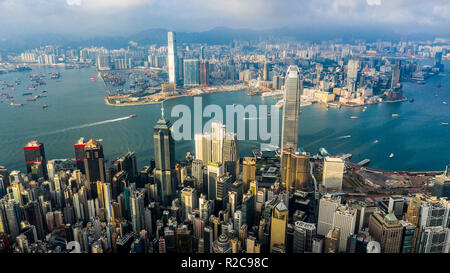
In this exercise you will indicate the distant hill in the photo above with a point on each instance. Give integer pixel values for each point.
(217, 35)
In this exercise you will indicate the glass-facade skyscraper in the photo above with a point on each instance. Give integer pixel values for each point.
(191, 72)
(291, 110)
(172, 57)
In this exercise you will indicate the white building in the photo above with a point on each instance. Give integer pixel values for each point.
(333, 172)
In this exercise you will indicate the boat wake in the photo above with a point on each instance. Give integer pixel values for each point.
(86, 125)
(343, 137)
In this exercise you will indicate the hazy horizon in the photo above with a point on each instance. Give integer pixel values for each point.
(91, 18)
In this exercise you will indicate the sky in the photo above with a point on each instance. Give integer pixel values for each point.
(87, 18)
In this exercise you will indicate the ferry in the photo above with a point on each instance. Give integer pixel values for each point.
(354, 117)
(444, 123)
(391, 155)
(444, 102)
(16, 104)
(132, 116)
(394, 115)
(375, 141)
(33, 99)
(27, 94)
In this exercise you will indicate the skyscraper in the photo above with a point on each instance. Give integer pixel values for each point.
(164, 171)
(295, 171)
(35, 159)
(291, 110)
(203, 148)
(94, 164)
(333, 172)
(248, 171)
(327, 206)
(345, 219)
(204, 73)
(396, 74)
(231, 154)
(218, 131)
(80, 154)
(278, 225)
(172, 58)
(215, 171)
(191, 72)
(387, 230)
(352, 74)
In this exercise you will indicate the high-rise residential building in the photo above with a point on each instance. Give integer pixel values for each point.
(294, 171)
(303, 236)
(204, 73)
(291, 110)
(80, 154)
(248, 171)
(396, 74)
(191, 72)
(387, 230)
(345, 219)
(94, 163)
(215, 171)
(164, 172)
(327, 206)
(333, 173)
(172, 57)
(266, 71)
(352, 74)
(103, 62)
(35, 159)
(278, 225)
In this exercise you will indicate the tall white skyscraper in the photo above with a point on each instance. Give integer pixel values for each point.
(291, 110)
(327, 207)
(333, 173)
(345, 219)
(203, 148)
(218, 131)
(172, 57)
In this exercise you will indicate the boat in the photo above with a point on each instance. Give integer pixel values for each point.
(363, 162)
(44, 106)
(420, 82)
(411, 100)
(391, 155)
(375, 141)
(33, 99)
(394, 115)
(27, 94)
(444, 123)
(279, 104)
(132, 116)
(323, 152)
(354, 117)
(16, 104)
(444, 102)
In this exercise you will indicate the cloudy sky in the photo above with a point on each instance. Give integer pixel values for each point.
(111, 17)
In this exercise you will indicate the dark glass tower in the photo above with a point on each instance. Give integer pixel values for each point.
(291, 110)
(94, 164)
(164, 171)
(35, 158)
(80, 154)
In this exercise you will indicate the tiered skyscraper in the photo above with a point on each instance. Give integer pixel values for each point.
(291, 110)
(164, 172)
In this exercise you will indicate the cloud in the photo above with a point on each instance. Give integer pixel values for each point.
(96, 17)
